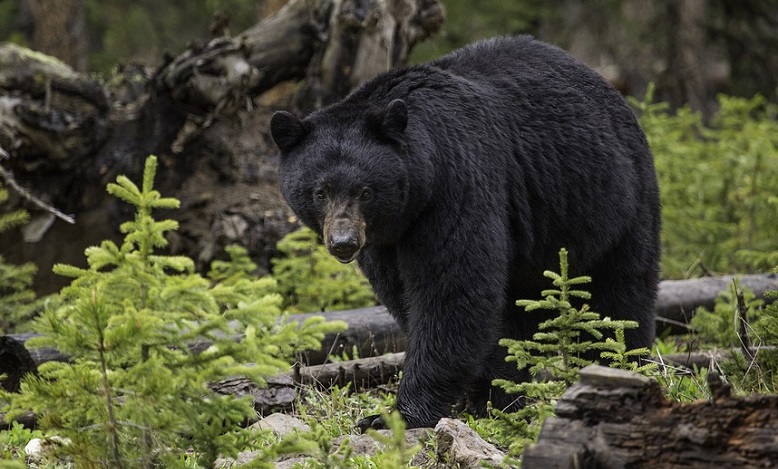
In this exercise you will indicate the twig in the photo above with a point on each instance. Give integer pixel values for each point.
(742, 320)
(11, 182)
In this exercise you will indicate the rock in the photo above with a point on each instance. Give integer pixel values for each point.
(366, 445)
(281, 424)
(460, 446)
(596, 375)
(38, 449)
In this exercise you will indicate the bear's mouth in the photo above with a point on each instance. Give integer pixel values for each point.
(344, 257)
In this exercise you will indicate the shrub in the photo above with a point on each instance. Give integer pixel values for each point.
(719, 211)
(135, 394)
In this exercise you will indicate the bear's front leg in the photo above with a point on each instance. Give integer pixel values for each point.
(455, 294)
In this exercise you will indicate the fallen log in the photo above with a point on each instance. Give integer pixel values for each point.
(678, 299)
(372, 331)
(708, 358)
(593, 429)
(281, 391)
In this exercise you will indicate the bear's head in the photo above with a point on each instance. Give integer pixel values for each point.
(343, 173)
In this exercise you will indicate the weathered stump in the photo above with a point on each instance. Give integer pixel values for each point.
(616, 419)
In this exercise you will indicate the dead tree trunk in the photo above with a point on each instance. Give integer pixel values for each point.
(203, 113)
(58, 28)
(614, 419)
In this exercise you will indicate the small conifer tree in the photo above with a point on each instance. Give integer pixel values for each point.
(557, 351)
(16, 295)
(135, 394)
(561, 343)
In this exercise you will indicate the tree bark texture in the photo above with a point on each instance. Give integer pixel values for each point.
(616, 419)
(58, 28)
(204, 113)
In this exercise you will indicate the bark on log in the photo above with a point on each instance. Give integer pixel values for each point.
(678, 299)
(361, 373)
(592, 430)
(280, 393)
(373, 331)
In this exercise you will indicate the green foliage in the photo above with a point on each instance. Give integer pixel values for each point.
(13, 441)
(720, 326)
(682, 385)
(559, 346)
(395, 452)
(310, 279)
(338, 408)
(726, 327)
(718, 207)
(332, 414)
(17, 299)
(11, 219)
(239, 267)
(135, 394)
(516, 430)
(618, 356)
(678, 383)
(557, 351)
(764, 325)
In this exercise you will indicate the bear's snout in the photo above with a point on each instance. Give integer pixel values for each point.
(344, 246)
(344, 237)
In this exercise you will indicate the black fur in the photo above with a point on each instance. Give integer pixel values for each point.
(498, 155)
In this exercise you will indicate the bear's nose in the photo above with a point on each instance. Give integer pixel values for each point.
(343, 245)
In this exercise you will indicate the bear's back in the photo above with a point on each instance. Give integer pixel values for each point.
(525, 69)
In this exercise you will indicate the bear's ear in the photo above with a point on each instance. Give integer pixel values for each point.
(287, 130)
(391, 122)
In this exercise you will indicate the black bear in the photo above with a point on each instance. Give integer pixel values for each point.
(455, 183)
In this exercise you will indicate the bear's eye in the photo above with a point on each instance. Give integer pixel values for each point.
(366, 194)
(319, 194)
